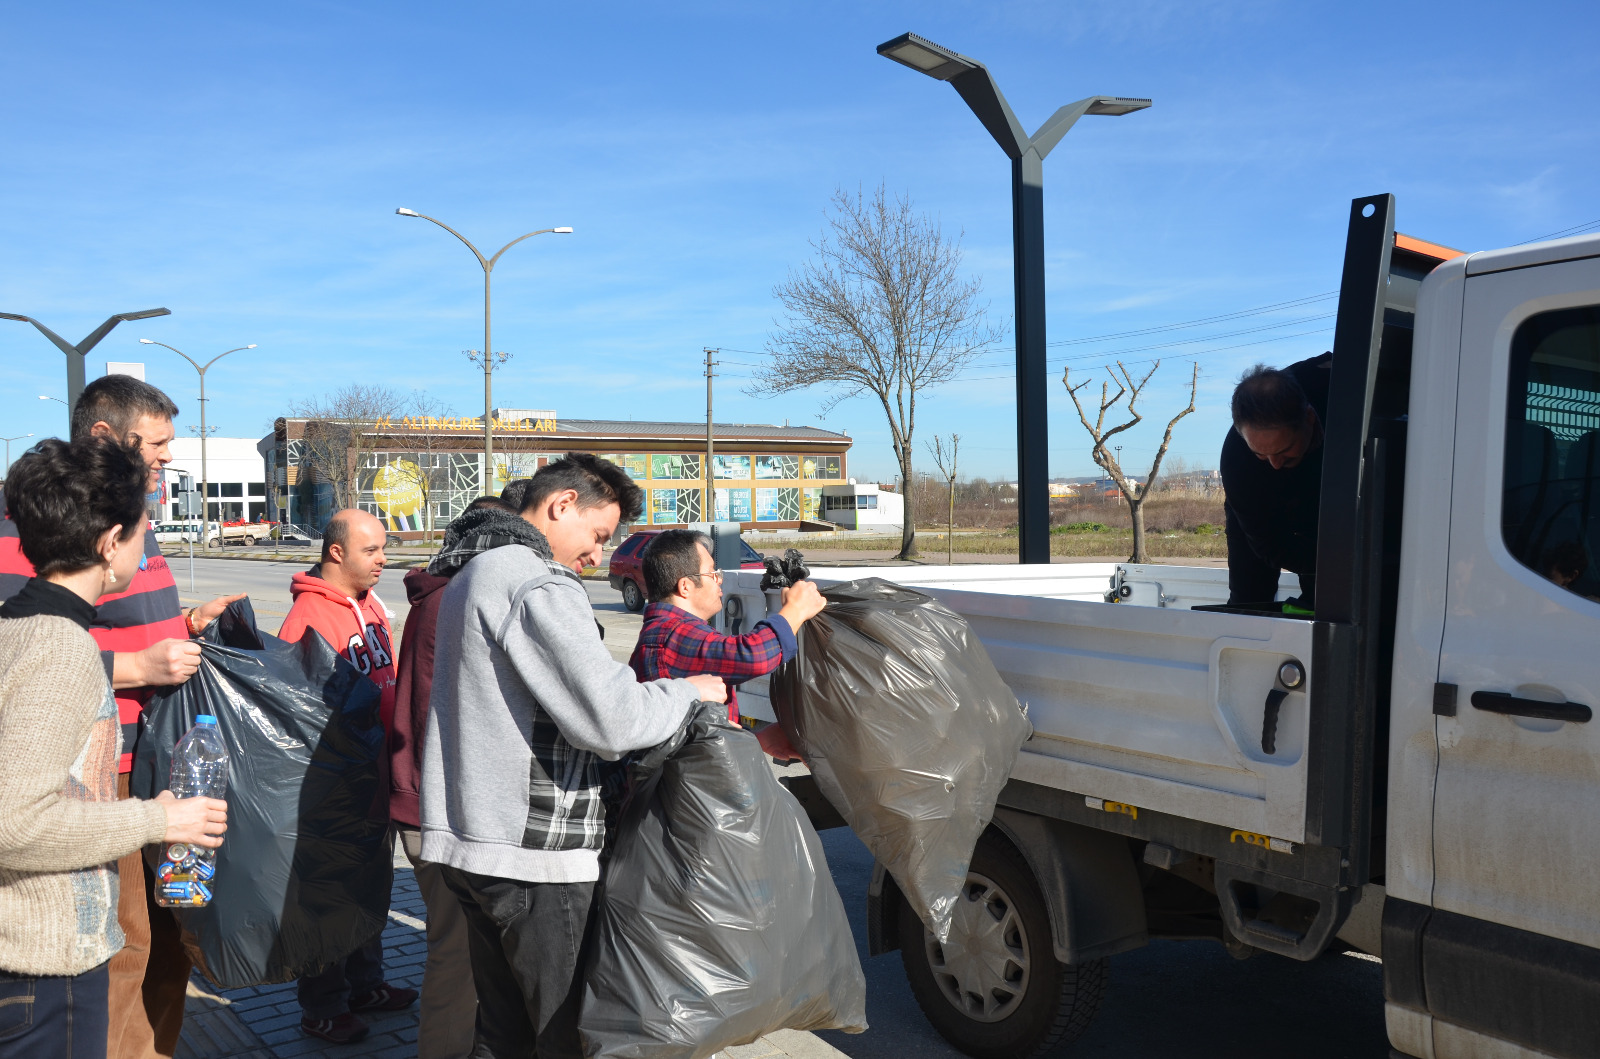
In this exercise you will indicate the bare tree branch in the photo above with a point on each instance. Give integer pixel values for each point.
(883, 310)
(337, 435)
(1132, 493)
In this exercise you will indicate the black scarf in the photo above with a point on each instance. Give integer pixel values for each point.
(483, 530)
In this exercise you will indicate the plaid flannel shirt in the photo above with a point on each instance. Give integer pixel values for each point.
(675, 643)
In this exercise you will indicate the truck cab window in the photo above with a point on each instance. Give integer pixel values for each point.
(1550, 506)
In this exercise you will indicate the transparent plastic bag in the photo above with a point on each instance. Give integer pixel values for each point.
(717, 920)
(908, 730)
(306, 860)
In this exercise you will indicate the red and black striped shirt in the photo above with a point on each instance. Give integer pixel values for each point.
(147, 613)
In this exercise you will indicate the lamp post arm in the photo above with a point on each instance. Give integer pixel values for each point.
(181, 353)
(1060, 123)
(487, 265)
(60, 343)
(218, 357)
(514, 242)
(977, 87)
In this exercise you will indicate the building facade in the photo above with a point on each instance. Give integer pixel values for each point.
(235, 475)
(416, 474)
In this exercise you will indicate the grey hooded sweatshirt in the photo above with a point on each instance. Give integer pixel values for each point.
(526, 701)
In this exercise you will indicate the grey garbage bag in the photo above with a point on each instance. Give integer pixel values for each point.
(717, 920)
(908, 730)
(304, 872)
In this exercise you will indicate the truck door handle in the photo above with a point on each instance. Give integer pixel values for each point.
(1269, 720)
(1500, 702)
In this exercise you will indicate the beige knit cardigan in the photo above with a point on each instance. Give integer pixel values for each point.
(61, 825)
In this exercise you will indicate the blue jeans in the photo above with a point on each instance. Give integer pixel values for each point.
(54, 1016)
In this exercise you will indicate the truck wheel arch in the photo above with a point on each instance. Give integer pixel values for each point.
(1088, 878)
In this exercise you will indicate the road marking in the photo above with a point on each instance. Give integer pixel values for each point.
(407, 921)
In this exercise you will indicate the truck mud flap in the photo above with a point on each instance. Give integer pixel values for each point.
(1277, 914)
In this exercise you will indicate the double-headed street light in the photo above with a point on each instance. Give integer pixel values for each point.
(76, 353)
(972, 80)
(205, 485)
(8, 442)
(488, 264)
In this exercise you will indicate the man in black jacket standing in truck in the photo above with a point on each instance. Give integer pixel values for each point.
(1272, 473)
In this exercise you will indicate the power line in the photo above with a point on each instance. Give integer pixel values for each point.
(1576, 229)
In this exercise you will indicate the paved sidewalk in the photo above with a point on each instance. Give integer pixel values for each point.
(263, 1022)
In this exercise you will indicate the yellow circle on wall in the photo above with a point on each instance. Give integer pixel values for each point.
(397, 488)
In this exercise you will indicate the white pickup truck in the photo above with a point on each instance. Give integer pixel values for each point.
(1411, 772)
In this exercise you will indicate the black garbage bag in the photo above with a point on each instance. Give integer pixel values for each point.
(304, 872)
(908, 730)
(718, 920)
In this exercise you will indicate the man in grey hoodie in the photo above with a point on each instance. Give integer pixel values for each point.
(526, 705)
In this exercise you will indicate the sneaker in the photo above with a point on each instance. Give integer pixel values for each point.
(384, 998)
(344, 1029)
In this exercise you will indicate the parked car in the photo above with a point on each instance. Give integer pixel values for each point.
(626, 576)
(182, 532)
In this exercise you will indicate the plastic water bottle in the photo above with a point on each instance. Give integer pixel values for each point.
(199, 769)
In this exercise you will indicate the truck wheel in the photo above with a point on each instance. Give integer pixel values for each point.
(632, 598)
(392, 541)
(995, 990)
(249, 542)
(213, 542)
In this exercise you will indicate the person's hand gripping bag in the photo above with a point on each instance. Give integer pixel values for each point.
(304, 872)
(908, 730)
(717, 920)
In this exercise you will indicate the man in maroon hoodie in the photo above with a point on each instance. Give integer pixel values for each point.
(336, 598)
(449, 1000)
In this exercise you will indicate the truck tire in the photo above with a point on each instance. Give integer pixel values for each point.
(632, 598)
(213, 542)
(249, 542)
(996, 989)
(392, 541)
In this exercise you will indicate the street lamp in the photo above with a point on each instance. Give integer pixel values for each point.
(205, 487)
(972, 80)
(76, 353)
(57, 400)
(8, 442)
(488, 264)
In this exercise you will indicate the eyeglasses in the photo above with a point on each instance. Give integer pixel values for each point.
(711, 573)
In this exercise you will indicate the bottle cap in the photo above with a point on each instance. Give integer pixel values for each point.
(205, 718)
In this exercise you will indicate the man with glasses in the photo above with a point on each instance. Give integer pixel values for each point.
(685, 590)
(1272, 475)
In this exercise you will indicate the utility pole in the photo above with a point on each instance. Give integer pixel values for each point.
(205, 481)
(708, 509)
(76, 354)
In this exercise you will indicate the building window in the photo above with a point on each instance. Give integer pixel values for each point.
(785, 467)
(258, 488)
(810, 503)
(733, 505)
(736, 467)
(675, 467)
(233, 489)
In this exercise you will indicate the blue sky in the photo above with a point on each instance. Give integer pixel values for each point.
(242, 167)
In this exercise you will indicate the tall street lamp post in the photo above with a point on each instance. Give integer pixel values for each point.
(488, 264)
(205, 486)
(972, 80)
(76, 353)
(8, 441)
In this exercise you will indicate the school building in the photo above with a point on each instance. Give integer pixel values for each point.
(417, 472)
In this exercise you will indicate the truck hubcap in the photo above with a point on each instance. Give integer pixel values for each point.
(983, 968)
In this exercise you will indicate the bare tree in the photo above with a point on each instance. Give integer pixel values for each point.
(941, 457)
(340, 433)
(1132, 493)
(423, 413)
(882, 310)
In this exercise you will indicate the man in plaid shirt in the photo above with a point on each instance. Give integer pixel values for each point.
(685, 590)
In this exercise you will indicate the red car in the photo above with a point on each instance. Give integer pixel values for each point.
(626, 576)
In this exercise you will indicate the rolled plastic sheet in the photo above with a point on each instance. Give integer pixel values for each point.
(908, 730)
(717, 920)
(304, 873)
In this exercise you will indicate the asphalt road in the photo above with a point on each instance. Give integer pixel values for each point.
(1171, 999)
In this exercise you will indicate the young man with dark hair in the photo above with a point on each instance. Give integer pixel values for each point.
(514, 493)
(145, 643)
(685, 590)
(338, 599)
(1272, 474)
(526, 705)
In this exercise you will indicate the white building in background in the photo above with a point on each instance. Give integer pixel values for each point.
(236, 473)
(865, 507)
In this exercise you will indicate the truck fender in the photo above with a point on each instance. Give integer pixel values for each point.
(1088, 879)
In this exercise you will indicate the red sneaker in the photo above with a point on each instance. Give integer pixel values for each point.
(345, 1029)
(384, 998)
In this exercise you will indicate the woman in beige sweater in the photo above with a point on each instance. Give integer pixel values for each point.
(80, 513)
